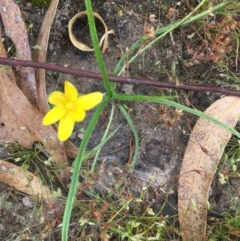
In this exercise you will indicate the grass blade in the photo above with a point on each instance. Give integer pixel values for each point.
(103, 140)
(76, 169)
(162, 32)
(93, 32)
(165, 101)
(135, 135)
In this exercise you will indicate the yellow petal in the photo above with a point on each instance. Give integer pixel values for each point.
(70, 91)
(54, 115)
(56, 98)
(65, 128)
(90, 100)
(77, 113)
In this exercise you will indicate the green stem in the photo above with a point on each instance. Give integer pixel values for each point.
(135, 135)
(103, 140)
(93, 32)
(165, 101)
(76, 169)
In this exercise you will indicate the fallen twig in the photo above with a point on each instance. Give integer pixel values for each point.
(122, 80)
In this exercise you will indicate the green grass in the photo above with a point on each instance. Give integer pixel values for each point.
(40, 3)
(115, 213)
(133, 228)
(122, 219)
(227, 229)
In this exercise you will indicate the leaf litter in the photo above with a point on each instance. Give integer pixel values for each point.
(22, 120)
(203, 153)
(17, 121)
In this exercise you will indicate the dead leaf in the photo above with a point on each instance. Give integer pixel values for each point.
(25, 122)
(40, 54)
(5, 134)
(171, 14)
(3, 54)
(148, 31)
(204, 150)
(15, 29)
(11, 129)
(24, 181)
(71, 149)
(78, 44)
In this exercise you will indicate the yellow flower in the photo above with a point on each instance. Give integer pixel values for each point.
(69, 108)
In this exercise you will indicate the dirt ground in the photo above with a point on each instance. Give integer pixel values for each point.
(163, 131)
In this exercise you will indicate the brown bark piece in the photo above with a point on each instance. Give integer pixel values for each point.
(203, 152)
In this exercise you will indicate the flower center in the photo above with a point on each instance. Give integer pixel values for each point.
(69, 105)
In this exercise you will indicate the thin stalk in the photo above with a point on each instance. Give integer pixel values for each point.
(98, 54)
(103, 140)
(163, 32)
(165, 101)
(76, 169)
(93, 152)
(135, 135)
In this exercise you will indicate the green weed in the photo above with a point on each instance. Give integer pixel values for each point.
(120, 220)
